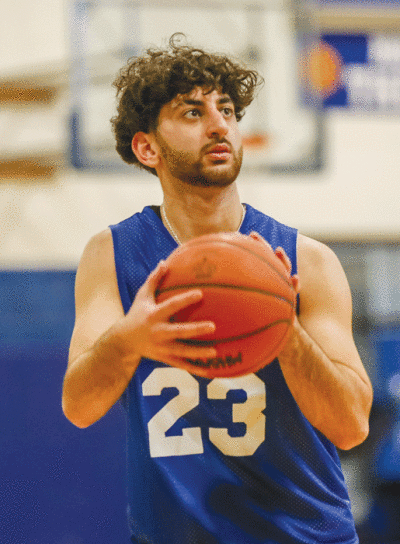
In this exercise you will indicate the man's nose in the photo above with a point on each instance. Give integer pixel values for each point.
(217, 125)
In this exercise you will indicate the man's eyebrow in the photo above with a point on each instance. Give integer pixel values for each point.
(193, 102)
(225, 100)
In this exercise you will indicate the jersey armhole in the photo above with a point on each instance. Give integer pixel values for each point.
(122, 287)
(297, 270)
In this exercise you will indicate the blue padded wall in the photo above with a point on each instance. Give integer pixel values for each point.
(58, 484)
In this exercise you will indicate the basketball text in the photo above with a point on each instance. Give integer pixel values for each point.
(217, 362)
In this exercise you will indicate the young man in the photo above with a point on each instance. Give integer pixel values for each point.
(227, 461)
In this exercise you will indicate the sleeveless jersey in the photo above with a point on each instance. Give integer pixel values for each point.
(222, 461)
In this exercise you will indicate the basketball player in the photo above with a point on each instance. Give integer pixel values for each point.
(224, 461)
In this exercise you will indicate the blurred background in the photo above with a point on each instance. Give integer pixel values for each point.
(322, 153)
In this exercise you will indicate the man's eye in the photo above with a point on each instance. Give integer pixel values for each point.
(191, 114)
(228, 112)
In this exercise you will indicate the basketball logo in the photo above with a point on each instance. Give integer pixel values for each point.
(204, 268)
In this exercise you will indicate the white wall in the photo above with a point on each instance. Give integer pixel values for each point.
(358, 193)
(32, 33)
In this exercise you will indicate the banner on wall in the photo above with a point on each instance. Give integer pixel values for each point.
(358, 72)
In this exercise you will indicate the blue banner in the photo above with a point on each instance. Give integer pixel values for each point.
(358, 72)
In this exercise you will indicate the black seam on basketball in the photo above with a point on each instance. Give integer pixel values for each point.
(232, 243)
(224, 286)
(214, 342)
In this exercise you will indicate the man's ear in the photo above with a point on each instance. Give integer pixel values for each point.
(146, 149)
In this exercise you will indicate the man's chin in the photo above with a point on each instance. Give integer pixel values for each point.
(219, 175)
(205, 180)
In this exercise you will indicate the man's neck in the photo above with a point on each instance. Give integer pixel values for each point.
(209, 210)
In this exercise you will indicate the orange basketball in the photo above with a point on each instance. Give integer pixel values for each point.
(247, 293)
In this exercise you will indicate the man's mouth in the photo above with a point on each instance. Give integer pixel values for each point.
(219, 151)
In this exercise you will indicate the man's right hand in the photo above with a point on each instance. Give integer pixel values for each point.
(148, 331)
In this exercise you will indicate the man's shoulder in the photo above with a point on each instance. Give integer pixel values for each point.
(317, 261)
(98, 249)
(314, 252)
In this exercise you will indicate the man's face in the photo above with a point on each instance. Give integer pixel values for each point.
(199, 139)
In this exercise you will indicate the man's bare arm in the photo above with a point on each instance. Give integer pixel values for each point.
(320, 362)
(107, 346)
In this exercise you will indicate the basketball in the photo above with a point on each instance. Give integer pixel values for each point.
(247, 293)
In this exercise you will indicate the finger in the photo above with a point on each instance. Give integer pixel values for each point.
(281, 254)
(183, 331)
(256, 236)
(171, 306)
(156, 276)
(296, 283)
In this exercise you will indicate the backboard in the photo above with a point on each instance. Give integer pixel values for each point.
(283, 131)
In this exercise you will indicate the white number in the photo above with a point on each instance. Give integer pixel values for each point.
(190, 442)
(249, 412)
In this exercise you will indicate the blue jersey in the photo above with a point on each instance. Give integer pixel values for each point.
(222, 461)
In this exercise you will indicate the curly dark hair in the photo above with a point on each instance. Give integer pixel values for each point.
(149, 82)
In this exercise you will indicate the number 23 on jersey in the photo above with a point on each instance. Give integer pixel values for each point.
(190, 442)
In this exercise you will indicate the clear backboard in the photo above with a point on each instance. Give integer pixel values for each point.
(283, 127)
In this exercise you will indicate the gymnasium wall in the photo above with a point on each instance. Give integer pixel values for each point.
(354, 195)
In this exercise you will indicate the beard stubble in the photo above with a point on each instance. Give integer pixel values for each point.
(187, 167)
